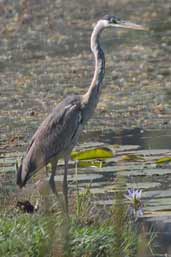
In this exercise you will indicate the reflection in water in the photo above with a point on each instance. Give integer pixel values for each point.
(150, 139)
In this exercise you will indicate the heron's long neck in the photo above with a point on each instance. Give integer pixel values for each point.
(92, 95)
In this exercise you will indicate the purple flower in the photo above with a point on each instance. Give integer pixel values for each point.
(134, 194)
(136, 205)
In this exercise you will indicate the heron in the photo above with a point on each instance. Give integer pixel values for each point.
(59, 132)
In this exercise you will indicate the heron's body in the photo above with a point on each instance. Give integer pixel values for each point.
(59, 132)
(55, 137)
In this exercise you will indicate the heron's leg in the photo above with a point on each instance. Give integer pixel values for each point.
(53, 185)
(52, 177)
(65, 184)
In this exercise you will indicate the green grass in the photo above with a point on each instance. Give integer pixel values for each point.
(88, 233)
(23, 235)
(92, 241)
(36, 235)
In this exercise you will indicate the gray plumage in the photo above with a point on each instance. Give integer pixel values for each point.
(47, 142)
(59, 132)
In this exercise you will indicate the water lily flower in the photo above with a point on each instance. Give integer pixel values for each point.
(134, 194)
(136, 205)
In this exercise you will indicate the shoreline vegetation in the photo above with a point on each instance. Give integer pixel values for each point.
(88, 232)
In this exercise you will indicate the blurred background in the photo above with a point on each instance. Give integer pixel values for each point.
(45, 55)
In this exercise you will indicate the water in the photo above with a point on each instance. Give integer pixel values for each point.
(155, 183)
(44, 48)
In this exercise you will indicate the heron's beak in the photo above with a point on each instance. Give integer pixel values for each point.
(129, 25)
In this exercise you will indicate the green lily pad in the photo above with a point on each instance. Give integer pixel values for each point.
(97, 153)
(163, 160)
(91, 163)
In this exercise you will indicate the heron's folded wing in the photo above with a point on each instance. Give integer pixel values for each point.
(54, 136)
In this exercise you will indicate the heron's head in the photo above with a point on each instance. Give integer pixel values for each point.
(113, 21)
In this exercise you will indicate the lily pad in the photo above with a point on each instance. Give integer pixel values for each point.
(97, 153)
(163, 160)
(91, 163)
